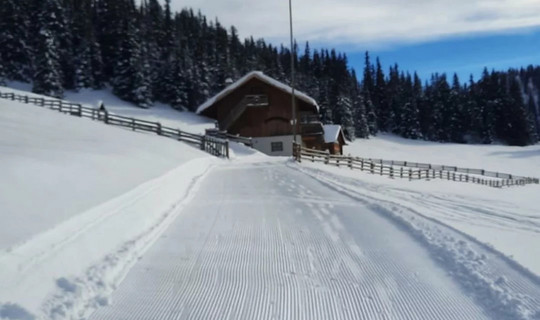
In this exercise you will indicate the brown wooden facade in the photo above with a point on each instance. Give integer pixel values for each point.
(260, 108)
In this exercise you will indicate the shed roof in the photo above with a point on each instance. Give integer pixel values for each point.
(332, 132)
(261, 76)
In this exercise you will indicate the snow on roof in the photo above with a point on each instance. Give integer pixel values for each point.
(331, 133)
(261, 76)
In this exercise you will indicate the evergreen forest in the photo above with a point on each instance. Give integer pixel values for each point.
(147, 53)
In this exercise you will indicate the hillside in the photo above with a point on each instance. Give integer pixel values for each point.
(77, 196)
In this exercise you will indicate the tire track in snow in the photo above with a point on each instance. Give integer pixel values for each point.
(228, 258)
(505, 288)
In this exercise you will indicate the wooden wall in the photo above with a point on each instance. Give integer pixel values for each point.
(272, 120)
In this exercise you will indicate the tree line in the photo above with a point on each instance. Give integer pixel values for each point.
(146, 52)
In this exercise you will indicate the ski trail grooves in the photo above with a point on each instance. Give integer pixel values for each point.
(266, 242)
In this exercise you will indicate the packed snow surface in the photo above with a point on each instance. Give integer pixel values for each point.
(265, 240)
(105, 223)
(79, 203)
(524, 161)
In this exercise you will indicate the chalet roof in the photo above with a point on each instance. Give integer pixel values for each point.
(261, 76)
(332, 132)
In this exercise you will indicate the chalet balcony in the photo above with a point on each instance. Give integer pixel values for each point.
(311, 128)
(309, 119)
(256, 100)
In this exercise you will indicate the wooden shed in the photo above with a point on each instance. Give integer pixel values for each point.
(334, 138)
(259, 107)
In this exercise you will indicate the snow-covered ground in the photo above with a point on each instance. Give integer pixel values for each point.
(267, 241)
(79, 203)
(167, 116)
(507, 219)
(523, 161)
(87, 208)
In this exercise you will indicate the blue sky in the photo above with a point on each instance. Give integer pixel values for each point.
(463, 55)
(423, 35)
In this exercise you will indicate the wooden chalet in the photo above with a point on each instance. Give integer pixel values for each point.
(334, 138)
(259, 107)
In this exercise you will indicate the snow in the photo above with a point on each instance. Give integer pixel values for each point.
(79, 203)
(331, 133)
(506, 219)
(306, 251)
(524, 161)
(100, 222)
(261, 76)
(165, 114)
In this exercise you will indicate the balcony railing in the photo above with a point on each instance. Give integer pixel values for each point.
(309, 118)
(256, 100)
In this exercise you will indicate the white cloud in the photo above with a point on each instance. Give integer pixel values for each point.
(369, 23)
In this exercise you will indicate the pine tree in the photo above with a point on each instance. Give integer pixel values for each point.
(132, 80)
(47, 77)
(368, 88)
(410, 125)
(344, 116)
(533, 115)
(15, 53)
(453, 112)
(518, 130)
(380, 101)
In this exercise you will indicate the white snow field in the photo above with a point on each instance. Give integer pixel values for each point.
(79, 203)
(99, 223)
(523, 161)
(265, 241)
(165, 114)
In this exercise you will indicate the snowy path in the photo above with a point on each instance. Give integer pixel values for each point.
(265, 241)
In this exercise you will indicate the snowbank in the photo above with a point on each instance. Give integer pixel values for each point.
(55, 166)
(165, 114)
(506, 219)
(524, 161)
(496, 281)
(79, 203)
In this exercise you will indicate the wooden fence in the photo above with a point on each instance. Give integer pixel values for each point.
(227, 136)
(400, 169)
(215, 146)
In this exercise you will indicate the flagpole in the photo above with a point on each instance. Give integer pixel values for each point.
(292, 73)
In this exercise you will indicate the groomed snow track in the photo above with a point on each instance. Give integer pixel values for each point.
(265, 241)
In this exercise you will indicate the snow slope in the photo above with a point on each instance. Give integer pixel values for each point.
(267, 241)
(165, 114)
(507, 219)
(79, 203)
(523, 161)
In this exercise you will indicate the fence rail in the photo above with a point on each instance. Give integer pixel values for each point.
(401, 169)
(213, 145)
(225, 135)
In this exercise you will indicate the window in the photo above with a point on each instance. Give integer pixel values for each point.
(277, 146)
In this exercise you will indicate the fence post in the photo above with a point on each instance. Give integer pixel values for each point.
(106, 118)
(159, 132)
(133, 124)
(203, 143)
(401, 172)
(227, 148)
(349, 159)
(25, 99)
(327, 157)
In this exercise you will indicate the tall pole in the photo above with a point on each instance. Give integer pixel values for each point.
(292, 74)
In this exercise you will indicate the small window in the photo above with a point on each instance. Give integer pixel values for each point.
(277, 146)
